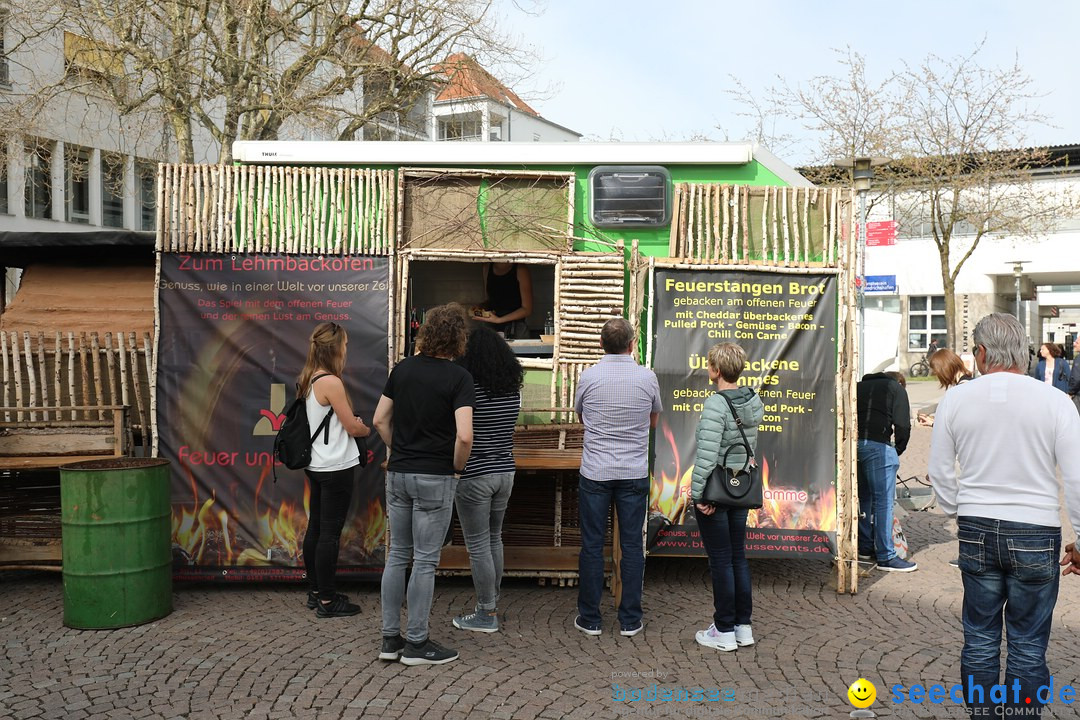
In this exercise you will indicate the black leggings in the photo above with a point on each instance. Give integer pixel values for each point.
(331, 493)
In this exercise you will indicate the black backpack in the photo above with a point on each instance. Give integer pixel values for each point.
(292, 446)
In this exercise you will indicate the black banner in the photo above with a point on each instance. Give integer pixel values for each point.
(787, 325)
(234, 332)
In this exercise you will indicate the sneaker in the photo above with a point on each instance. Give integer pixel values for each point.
(955, 562)
(338, 607)
(718, 640)
(867, 557)
(392, 645)
(426, 653)
(313, 598)
(479, 621)
(897, 565)
(744, 635)
(587, 629)
(632, 630)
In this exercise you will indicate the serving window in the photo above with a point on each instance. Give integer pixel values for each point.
(436, 279)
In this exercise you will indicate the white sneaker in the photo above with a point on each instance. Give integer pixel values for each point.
(744, 635)
(718, 640)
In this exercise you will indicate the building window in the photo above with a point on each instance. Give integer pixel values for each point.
(926, 321)
(629, 196)
(146, 178)
(77, 184)
(460, 129)
(93, 60)
(3, 175)
(5, 77)
(112, 191)
(39, 180)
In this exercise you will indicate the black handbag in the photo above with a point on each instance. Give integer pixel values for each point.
(734, 488)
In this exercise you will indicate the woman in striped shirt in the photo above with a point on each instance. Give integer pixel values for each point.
(484, 489)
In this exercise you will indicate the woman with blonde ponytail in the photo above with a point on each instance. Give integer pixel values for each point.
(332, 472)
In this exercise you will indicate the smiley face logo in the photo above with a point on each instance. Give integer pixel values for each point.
(862, 693)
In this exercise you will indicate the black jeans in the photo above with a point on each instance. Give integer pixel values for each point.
(331, 493)
(724, 535)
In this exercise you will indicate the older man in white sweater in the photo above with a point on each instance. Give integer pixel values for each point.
(994, 450)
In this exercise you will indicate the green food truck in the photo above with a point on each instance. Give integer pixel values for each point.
(694, 243)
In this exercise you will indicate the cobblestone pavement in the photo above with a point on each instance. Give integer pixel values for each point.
(255, 652)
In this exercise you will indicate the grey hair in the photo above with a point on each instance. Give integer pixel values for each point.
(1005, 341)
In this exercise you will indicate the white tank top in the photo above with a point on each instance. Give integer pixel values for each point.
(342, 452)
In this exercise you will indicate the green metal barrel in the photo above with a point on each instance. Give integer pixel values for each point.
(115, 520)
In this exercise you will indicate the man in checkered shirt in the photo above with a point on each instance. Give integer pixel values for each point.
(619, 403)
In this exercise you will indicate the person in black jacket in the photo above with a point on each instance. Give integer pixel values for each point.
(884, 418)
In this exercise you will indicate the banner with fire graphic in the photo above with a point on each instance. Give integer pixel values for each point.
(233, 337)
(787, 325)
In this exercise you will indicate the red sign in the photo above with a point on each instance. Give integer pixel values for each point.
(881, 233)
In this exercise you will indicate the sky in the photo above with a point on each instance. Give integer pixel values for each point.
(643, 70)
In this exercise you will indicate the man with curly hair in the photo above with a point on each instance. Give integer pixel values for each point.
(425, 418)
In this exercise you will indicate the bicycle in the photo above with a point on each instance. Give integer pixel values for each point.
(920, 368)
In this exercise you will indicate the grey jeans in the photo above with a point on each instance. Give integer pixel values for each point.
(481, 506)
(419, 509)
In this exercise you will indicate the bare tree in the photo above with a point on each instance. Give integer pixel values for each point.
(964, 169)
(956, 133)
(275, 69)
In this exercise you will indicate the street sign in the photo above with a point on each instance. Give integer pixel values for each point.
(880, 233)
(881, 283)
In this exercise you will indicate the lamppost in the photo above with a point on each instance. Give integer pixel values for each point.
(1018, 272)
(862, 174)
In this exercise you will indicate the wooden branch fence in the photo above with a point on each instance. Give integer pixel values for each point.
(739, 224)
(75, 375)
(271, 209)
(590, 292)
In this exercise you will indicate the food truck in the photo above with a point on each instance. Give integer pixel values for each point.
(694, 243)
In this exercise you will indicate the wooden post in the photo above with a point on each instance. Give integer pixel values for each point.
(95, 348)
(676, 214)
(43, 374)
(151, 380)
(71, 373)
(110, 364)
(31, 380)
(7, 375)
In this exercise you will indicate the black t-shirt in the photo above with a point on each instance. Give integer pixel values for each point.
(426, 391)
(504, 293)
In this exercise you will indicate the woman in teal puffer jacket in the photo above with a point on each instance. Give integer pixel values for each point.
(723, 529)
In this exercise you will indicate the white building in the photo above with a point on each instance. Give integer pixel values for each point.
(908, 310)
(475, 106)
(78, 166)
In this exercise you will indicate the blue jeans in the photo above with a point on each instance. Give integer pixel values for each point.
(724, 535)
(481, 507)
(1010, 569)
(878, 465)
(419, 509)
(595, 499)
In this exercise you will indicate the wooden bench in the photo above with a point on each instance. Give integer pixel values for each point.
(34, 441)
(51, 436)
